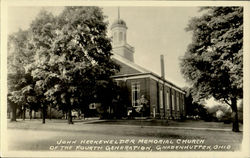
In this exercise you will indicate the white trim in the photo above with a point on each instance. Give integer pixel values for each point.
(161, 98)
(132, 77)
(168, 100)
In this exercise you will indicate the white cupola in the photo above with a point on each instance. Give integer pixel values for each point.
(119, 35)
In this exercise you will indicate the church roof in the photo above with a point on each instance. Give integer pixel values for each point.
(130, 63)
(141, 71)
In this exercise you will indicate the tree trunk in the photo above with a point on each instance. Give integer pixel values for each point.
(44, 113)
(34, 114)
(13, 115)
(50, 112)
(24, 113)
(69, 117)
(235, 115)
(30, 114)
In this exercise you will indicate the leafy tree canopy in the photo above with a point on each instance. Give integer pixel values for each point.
(71, 57)
(213, 62)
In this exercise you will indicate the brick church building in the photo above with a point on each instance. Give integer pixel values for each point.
(165, 100)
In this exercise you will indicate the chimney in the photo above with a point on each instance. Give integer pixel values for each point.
(162, 67)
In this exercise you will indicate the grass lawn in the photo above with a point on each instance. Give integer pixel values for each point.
(35, 136)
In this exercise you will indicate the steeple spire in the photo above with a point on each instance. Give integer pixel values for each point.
(118, 13)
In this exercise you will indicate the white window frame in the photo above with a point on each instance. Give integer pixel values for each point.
(168, 103)
(177, 103)
(161, 98)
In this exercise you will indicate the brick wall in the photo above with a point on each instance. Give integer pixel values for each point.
(150, 88)
(153, 97)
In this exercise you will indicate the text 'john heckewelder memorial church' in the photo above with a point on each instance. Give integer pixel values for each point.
(164, 99)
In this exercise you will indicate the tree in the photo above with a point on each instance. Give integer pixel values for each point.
(43, 35)
(213, 62)
(73, 57)
(194, 107)
(123, 100)
(19, 82)
(65, 61)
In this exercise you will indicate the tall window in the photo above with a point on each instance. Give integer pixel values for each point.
(167, 97)
(177, 102)
(182, 102)
(135, 93)
(161, 98)
(173, 102)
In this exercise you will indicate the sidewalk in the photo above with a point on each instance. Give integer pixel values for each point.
(168, 124)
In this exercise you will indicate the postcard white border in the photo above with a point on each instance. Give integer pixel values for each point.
(6, 3)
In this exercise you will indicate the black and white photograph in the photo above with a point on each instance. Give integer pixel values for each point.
(124, 79)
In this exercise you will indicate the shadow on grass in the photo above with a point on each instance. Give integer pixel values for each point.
(133, 122)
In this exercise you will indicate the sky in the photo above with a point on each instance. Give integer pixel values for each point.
(152, 31)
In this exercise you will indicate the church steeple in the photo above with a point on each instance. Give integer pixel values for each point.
(119, 31)
(119, 34)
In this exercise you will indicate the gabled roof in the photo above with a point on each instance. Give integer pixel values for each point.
(141, 72)
(130, 63)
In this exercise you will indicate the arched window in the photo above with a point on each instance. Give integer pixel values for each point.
(120, 36)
